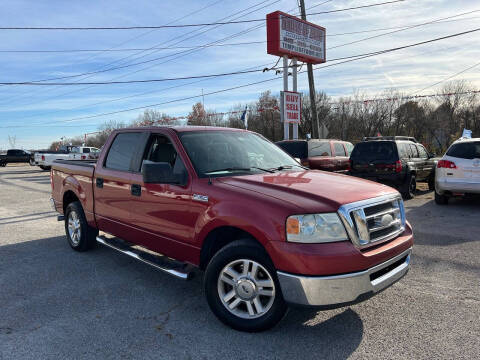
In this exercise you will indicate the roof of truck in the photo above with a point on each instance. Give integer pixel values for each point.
(186, 128)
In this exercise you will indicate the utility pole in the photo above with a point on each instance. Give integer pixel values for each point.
(311, 85)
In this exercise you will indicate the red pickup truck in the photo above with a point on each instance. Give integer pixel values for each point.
(266, 231)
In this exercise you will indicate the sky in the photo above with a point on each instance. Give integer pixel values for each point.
(38, 115)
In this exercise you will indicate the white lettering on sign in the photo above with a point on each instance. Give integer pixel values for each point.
(291, 107)
(302, 38)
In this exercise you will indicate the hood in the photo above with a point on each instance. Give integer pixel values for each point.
(311, 190)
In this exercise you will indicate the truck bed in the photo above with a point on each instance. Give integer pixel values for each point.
(75, 175)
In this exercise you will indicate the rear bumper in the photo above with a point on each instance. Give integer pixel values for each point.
(345, 288)
(395, 180)
(443, 185)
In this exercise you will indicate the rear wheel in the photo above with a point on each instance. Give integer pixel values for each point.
(44, 168)
(80, 235)
(242, 288)
(441, 199)
(410, 187)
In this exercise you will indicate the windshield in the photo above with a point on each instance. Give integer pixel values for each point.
(223, 153)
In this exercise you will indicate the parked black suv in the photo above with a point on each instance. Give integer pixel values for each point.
(398, 161)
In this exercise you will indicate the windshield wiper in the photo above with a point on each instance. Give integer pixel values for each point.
(284, 167)
(239, 169)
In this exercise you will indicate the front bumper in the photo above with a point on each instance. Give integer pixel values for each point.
(345, 288)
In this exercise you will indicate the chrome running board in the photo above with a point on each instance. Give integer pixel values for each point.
(178, 269)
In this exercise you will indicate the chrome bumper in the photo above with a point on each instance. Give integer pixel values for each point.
(339, 289)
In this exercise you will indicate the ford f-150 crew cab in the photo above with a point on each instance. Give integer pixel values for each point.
(266, 231)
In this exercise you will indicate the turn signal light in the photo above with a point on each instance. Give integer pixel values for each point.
(43, 157)
(446, 164)
(293, 226)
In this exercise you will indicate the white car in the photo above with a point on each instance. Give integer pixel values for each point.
(458, 172)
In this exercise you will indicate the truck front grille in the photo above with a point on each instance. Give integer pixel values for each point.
(373, 221)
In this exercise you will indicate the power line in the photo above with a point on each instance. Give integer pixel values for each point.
(187, 25)
(227, 44)
(243, 12)
(233, 72)
(448, 78)
(203, 47)
(358, 57)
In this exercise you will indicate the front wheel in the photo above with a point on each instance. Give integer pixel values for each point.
(80, 235)
(242, 288)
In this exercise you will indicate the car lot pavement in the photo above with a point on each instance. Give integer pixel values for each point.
(56, 303)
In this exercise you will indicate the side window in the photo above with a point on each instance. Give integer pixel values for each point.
(161, 149)
(122, 151)
(320, 148)
(403, 150)
(413, 151)
(349, 147)
(339, 149)
(422, 152)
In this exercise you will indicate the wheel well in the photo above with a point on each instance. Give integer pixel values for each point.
(68, 198)
(220, 237)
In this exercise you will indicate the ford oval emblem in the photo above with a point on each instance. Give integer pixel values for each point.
(386, 220)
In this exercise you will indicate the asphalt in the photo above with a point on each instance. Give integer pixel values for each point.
(56, 303)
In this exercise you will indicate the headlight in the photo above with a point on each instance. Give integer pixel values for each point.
(317, 228)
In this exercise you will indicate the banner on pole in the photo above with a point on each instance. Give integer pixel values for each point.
(292, 106)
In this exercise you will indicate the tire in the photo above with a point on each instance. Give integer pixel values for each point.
(32, 162)
(441, 199)
(3, 164)
(80, 236)
(45, 168)
(410, 187)
(244, 317)
(431, 182)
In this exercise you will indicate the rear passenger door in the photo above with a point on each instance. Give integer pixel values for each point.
(341, 158)
(113, 184)
(320, 155)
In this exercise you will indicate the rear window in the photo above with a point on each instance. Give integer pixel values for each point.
(319, 148)
(297, 149)
(375, 150)
(466, 150)
(349, 147)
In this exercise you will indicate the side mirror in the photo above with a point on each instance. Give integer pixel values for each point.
(161, 173)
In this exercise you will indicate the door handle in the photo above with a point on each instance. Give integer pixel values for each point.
(136, 190)
(99, 183)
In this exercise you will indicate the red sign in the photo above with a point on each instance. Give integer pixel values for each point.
(296, 38)
(292, 106)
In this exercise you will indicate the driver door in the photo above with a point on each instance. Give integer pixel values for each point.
(161, 212)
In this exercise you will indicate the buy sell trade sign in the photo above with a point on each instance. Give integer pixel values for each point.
(292, 106)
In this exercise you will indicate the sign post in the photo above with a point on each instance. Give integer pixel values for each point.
(296, 39)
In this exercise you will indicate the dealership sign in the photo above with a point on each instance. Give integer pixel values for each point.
(295, 38)
(292, 106)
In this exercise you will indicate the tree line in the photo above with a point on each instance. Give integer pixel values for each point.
(436, 121)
